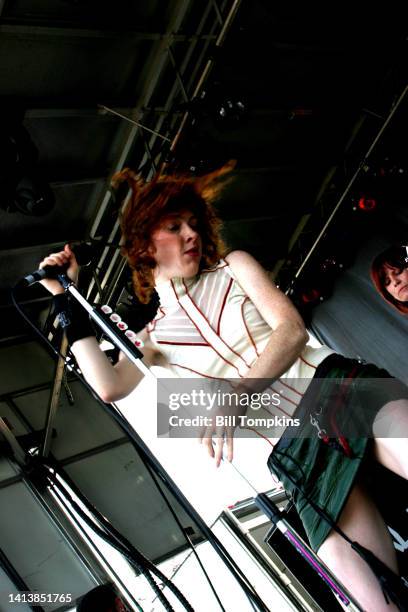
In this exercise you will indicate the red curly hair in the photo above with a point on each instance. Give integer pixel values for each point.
(164, 194)
(394, 257)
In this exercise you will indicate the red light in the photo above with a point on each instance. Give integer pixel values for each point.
(309, 296)
(367, 204)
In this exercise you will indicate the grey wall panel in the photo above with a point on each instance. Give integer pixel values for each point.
(6, 470)
(7, 588)
(118, 484)
(36, 548)
(15, 423)
(23, 366)
(80, 427)
(34, 406)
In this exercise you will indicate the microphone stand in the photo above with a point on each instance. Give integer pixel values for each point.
(120, 340)
(102, 319)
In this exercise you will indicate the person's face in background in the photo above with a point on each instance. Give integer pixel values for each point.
(120, 606)
(176, 246)
(396, 282)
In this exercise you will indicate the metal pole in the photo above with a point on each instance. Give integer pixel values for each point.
(272, 512)
(352, 180)
(119, 339)
(55, 395)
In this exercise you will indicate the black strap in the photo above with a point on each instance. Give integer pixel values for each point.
(72, 317)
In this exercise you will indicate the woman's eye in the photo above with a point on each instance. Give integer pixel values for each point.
(173, 227)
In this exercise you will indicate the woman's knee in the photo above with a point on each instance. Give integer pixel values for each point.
(390, 431)
(360, 521)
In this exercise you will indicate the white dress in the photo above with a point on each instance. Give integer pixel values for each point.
(207, 327)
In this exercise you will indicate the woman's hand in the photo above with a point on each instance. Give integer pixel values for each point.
(62, 258)
(224, 420)
(220, 434)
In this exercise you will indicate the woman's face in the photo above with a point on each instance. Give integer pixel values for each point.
(176, 246)
(396, 282)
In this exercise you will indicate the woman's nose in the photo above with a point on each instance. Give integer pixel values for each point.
(395, 279)
(190, 232)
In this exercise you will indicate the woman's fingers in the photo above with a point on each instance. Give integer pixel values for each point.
(55, 259)
(207, 442)
(215, 447)
(219, 446)
(230, 443)
(224, 438)
(65, 258)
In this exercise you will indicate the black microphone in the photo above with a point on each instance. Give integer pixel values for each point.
(84, 254)
(38, 275)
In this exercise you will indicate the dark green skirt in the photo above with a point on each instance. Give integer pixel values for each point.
(343, 399)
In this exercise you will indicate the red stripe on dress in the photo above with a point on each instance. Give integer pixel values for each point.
(200, 311)
(223, 306)
(258, 433)
(200, 332)
(278, 408)
(246, 327)
(307, 363)
(177, 365)
(291, 388)
(182, 343)
(157, 318)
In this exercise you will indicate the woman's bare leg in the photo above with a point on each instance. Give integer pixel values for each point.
(390, 431)
(362, 522)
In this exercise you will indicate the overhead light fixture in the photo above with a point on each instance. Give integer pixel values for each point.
(367, 203)
(33, 196)
(311, 296)
(22, 185)
(230, 111)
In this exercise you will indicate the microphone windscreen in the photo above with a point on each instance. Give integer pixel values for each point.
(84, 252)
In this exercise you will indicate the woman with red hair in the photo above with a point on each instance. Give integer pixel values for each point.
(221, 317)
(389, 272)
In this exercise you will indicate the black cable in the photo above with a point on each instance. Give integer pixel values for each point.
(113, 537)
(223, 553)
(188, 539)
(225, 556)
(102, 534)
(152, 567)
(123, 542)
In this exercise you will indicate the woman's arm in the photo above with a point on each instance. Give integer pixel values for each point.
(110, 382)
(286, 343)
(289, 334)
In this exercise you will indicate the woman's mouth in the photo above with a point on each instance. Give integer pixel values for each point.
(193, 252)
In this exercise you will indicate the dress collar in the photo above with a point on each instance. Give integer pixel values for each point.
(172, 290)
